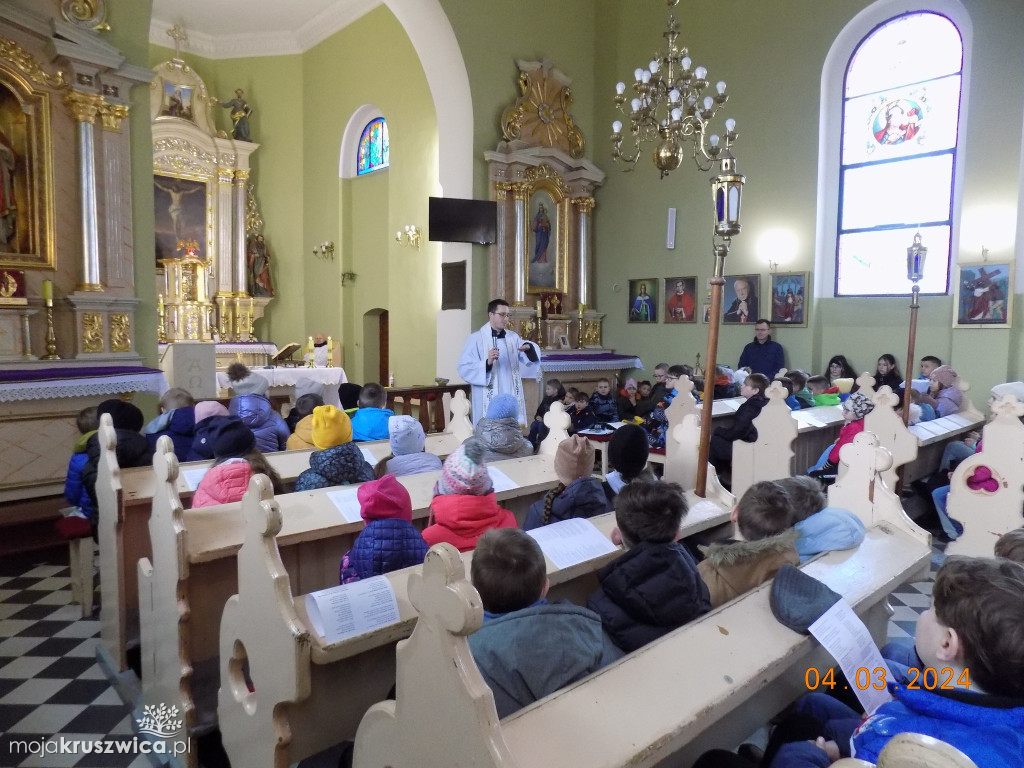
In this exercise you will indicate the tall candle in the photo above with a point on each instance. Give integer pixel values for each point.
(538, 309)
(160, 302)
(48, 292)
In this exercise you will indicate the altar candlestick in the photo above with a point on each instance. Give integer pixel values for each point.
(330, 352)
(48, 292)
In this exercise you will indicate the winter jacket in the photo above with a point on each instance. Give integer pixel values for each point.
(946, 402)
(742, 427)
(627, 408)
(74, 488)
(340, 465)
(892, 381)
(832, 528)
(988, 729)
(829, 397)
(545, 404)
(733, 569)
(179, 425)
(849, 431)
(584, 419)
(223, 484)
(462, 520)
(647, 592)
(302, 437)
(266, 423)
(202, 446)
(656, 422)
(504, 439)
(371, 424)
(583, 497)
(132, 450)
(383, 546)
(413, 464)
(805, 397)
(604, 407)
(527, 654)
(763, 357)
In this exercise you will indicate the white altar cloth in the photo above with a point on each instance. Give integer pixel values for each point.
(285, 378)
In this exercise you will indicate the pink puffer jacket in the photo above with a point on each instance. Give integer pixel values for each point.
(223, 484)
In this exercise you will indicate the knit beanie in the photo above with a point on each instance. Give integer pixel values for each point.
(384, 499)
(1015, 388)
(124, 415)
(628, 450)
(574, 458)
(859, 405)
(331, 427)
(207, 408)
(405, 435)
(253, 384)
(230, 437)
(464, 473)
(629, 382)
(945, 375)
(503, 407)
(306, 386)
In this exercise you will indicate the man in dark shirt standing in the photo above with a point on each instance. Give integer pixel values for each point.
(763, 355)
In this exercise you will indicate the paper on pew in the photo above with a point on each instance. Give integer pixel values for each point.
(194, 476)
(572, 541)
(352, 609)
(918, 385)
(843, 634)
(368, 455)
(347, 503)
(595, 431)
(500, 480)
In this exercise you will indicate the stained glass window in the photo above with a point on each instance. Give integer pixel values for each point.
(373, 147)
(901, 112)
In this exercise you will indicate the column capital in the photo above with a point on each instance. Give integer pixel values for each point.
(241, 177)
(501, 189)
(521, 189)
(585, 204)
(111, 115)
(83, 106)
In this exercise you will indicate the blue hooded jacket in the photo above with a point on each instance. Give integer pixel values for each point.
(832, 528)
(179, 425)
(383, 546)
(371, 424)
(259, 415)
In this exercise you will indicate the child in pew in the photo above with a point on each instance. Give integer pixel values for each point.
(928, 364)
(252, 406)
(580, 415)
(627, 400)
(823, 393)
(306, 391)
(970, 638)
(370, 422)
(787, 385)
(408, 454)
(236, 460)
(337, 460)
(628, 450)
(202, 448)
(74, 487)
(653, 587)
(389, 541)
(800, 390)
(656, 421)
(720, 453)
(501, 432)
(464, 504)
(578, 493)
(528, 648)
(819, 527)
(302, 428)
(943, 394)
(603, 404)
(855, 408)
(177, 420)
(1011, 545)
(553, 392)
(132, 450)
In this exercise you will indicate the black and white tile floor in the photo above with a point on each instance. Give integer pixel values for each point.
(52, 688)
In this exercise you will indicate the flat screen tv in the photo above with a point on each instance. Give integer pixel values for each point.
(462, 221)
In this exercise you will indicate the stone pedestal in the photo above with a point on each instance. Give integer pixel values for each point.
(192, 365)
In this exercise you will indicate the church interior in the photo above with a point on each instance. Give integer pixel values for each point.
(176, 172)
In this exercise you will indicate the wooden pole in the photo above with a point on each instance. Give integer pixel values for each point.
(914, 305)
(709, 367)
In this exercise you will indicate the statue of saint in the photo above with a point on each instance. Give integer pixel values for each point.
(240, 112)
(257, 259)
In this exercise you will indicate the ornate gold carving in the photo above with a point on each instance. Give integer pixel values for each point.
(501, 190)
(92, 332)
(179, 164)
(90, 14)
(540, 116)
(23, 60)
(225, 176)
(253, 219)
(120, 332)
(241, 177)
(546, 176)
(185, 146)
(227, 158)
(521, 190)
(592, 333)
(84, 106)
(585, 204)
(112, 114)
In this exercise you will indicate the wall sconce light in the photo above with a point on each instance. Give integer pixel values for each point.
(409, 236)
(347, 277)
(324, 251)
(773, 266)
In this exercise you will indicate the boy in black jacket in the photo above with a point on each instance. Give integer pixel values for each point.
(720, 454)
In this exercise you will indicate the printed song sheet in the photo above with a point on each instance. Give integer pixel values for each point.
(347, 503)
(352, 609)
(500, 480)
(572, 541)
(193, 476)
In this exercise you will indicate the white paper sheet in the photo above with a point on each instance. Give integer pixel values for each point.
(368, 455)
(193, 476)
(595, 431)
(352, 609)
(843, 634)
(572, 541)
(500, 480)
(347, 503)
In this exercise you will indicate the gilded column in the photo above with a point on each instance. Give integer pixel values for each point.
(85, 107)
(584, 207)
(520, 194)
(225, 242)
(501, 190)
(238, 235)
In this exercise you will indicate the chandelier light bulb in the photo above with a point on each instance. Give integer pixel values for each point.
(701, 72)
(617, 126)
(713, 139)
(730, 125)
(654, 66)
(620, 88)
(635, 104)
(677, 113)
(721, 87)
(687, 61)
(673, 96)
(708, 101)
(646, 76)
(638, 73)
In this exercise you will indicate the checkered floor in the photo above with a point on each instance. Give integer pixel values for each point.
(52, 688)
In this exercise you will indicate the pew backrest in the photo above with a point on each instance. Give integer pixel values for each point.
(557, 421)
(770, 456)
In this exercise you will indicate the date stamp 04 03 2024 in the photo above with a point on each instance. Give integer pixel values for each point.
(928, 679)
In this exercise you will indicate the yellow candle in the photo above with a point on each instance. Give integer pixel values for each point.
(160, 301)
(538, 308)
(48, 291)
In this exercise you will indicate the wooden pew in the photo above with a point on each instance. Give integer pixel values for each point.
(986, 515)
(311, 694)
(193, 571)
(709, 683)
(770, 456)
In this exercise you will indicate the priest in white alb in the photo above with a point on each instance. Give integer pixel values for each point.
(495, 361)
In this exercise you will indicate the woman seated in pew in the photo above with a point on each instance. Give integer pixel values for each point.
(654, 586)
(887, 374)
(236, 460)
(464, 504)
(337, 460)
(528, 648)
(389, 541)
(839, 368)
(628, 451)
(202, 448)
(501, 432)
(300, 422)
(578, 493)
(408, 450)
(943, 394)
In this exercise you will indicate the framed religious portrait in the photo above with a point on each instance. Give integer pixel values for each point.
(544, 256)
(740, 300)
(984, 295)
(789, 299)
(680, 299)
(26, 175)
(643, 306)
(176, 101)
(180, 206)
